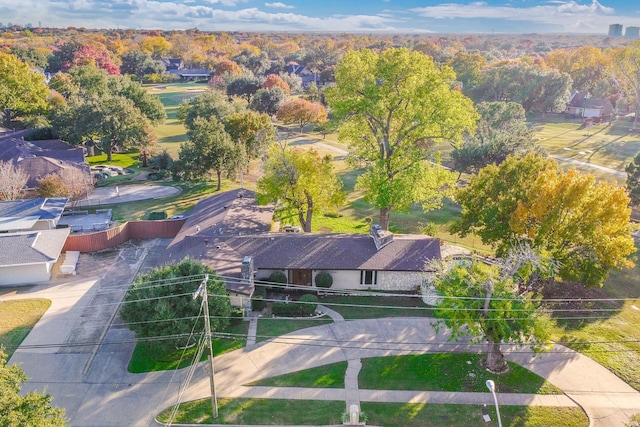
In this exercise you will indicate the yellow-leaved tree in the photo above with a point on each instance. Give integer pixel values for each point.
(580, 223)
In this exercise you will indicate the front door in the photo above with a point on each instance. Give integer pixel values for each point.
(300, 277)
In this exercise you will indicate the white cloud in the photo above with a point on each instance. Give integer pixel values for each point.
(279, 5)
(557, 12)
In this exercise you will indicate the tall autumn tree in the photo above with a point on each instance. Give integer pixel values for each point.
(302, 181)
(394, 107)
(22, 91)
(301, 112)
(582, 224)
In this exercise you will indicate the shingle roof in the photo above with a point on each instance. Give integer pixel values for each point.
(31, 247)
(232, 227)
(40, 158)
(233, 212)
(309, 251)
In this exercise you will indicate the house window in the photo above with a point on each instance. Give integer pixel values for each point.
(369, 277)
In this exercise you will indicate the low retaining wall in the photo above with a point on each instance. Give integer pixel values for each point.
(113, 237)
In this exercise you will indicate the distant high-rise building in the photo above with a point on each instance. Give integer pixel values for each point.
(633, 32)
(615, 30)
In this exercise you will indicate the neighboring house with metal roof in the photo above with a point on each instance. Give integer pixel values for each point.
(230, 233)
(31, 214)
(29, 257)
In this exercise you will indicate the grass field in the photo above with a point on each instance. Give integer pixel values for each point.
(612, 146)
(17, 318)
(273, 327)
(457, 372)
(323, 412)
(171, 133)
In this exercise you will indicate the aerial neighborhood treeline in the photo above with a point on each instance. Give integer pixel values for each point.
(404, 105)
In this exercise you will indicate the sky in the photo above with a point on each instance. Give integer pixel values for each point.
(362, 16)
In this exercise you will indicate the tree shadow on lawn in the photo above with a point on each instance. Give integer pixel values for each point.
(579, 305)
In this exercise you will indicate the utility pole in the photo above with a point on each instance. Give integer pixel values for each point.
(202, 290)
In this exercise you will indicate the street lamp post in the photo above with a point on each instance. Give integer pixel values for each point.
(492, 388)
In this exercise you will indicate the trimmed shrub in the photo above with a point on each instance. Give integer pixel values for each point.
(310, 304)
(158, 215)
(257, 300)
(278, 277)
(293, 309)
(324, 279)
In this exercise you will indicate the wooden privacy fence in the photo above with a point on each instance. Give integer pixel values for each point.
(91, 242)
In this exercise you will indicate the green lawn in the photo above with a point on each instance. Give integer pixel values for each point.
(371, 307)
(612, 146)
(125, 160)
(17, 318)
(460, 372)
(144, 359)
(314, 412)
(327, 376)
(191, 193)
(446, 372)
(273, 327)
(172, 133)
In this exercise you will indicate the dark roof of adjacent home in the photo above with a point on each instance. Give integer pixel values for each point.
(40, 158)
(39, 167)
(43, 208)
(233, 212)
(31, 247)
(15, 149)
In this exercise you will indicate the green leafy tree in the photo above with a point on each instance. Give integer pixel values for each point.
(139, 63)
(244, 87)
(581, 224)
(18, 409)
(22, 91)
(35, 56)
(394, 107)
(114, 110)
(161, 304)
(626, 67)
(467, 67)
(115, 122)
(268, 100)
(302, 181)
(211, 103)
(209, 147)
(536, 88)
(252, 130)
(483, 302)
(501, 131)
